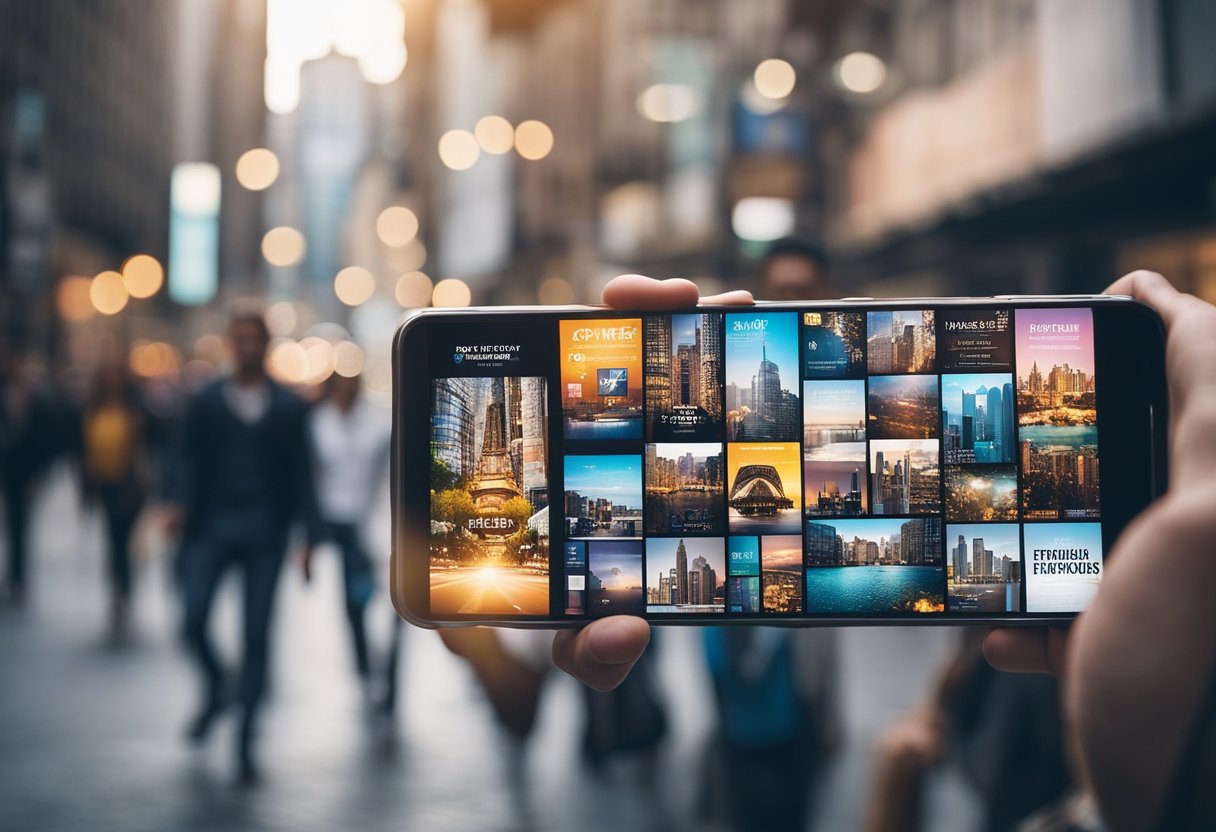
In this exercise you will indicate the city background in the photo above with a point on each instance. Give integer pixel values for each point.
(337, 162)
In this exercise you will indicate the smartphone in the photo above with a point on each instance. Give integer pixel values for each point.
(943, 461)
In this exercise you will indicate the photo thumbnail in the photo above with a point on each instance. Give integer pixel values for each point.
(743, 574)
(762, 376)
(1057, 413)
(604, 496)
(765, 487)
(876, 565)
(683, 369)
(901, 341)
(684, 488)
(833, 344)
(686, 575)
(903, 407)
(602, 378)
(835, 489)
(781, 573)
(981, 492)
(905, 477)
(984, 567)
(976, 339)
(614, 577)
(977, 418)
(834, 420)
(1063, 565)
(489, 544)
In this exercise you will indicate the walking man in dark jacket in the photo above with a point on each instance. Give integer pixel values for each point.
(241, 480)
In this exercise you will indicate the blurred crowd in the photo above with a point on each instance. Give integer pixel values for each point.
(242, 474)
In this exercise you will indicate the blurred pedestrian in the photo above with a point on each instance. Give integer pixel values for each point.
(350, 439)
(1001, 731)
(242, 477)
(30, 436)
(777, 720)
(115, 455)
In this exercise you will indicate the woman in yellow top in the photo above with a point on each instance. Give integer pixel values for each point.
(114, 458)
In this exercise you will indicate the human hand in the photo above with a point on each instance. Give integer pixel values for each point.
(601, 654)
(1138, 663)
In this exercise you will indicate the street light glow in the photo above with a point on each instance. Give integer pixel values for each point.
(143, 276)
(458, 149)
(774, 78)
(668, 103)
(413, 289)
(451, 292)
(397, 226)
(108, 293)
(354, 285)
(533, 140)
(257, 169)
(860, 72)
(495, 134)
(283, 246)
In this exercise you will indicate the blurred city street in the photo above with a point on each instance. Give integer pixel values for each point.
(216, 214)
(93, 728)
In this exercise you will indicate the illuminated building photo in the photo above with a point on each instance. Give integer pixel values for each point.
(489, 497)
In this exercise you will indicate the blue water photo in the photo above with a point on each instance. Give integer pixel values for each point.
(875, 589)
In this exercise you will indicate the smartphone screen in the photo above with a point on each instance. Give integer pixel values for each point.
(941, 461)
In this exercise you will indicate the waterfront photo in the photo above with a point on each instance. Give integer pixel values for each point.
(874, 566)
(765, 487)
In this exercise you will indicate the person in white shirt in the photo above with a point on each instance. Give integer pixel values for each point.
(351, 440)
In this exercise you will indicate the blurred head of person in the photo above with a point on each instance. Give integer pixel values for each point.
(795, 269)
(343, 391)
(249, 337)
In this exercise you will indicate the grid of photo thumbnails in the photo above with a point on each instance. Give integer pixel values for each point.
(778, 463)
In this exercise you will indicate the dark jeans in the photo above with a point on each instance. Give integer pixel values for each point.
(253, 544)
(358, 585)
(121, 507)
(16, 527)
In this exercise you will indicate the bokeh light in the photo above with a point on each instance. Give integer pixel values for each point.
(860, 72)
(154, 359)
(283, 246)
(257, 169)
(451, 292)
(384, 65)
(354, 285)
(413, 289)
(288, 361)
(348, 359)
(533, 139)
(108, 293)
(143, 275)
(774, 78)
(409, 258)
(281, 318)
(72, 298)
(458, 149)
(397, 226)
(762, 218)
(495, 135)
(668, 103)
(320, 359)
